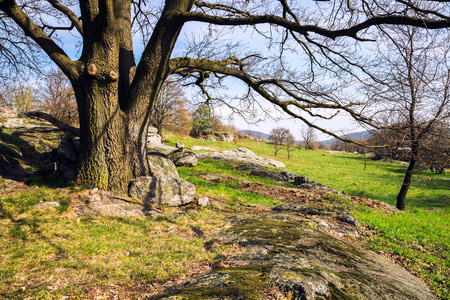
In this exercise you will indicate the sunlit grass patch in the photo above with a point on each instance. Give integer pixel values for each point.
(49, 253)
(229, 189)
(419, 238)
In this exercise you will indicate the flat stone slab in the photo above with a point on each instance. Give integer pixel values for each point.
(241, 154)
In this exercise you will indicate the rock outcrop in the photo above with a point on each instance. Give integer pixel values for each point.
(8, 112)
(286, 253)
(9, 118)
(183, 157)
(240, 154)
(164, 187)
(161, 166)
(282, 175)
(95, 202)
(154, 141)
(11, 122)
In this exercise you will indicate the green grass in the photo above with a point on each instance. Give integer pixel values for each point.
(347, 172)
(227, 189)
(419, 236)
(47, 254)
(54, 253)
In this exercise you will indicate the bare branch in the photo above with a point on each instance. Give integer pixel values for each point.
(55, 53)
(66, 11)
(185, 66)
(306, 29)
(61, 125)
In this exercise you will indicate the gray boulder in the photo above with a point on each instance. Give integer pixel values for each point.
(97, 202)
(262, 171)
(161, 166)
(203, 201)
(282, 175)
(11, 122)
(153, 138)
(154, 141)
(46, 205)
(67, 155)
(196, 148)
(8, 112)
(68, 149)
(241, 154)
(162, 191)
(225, 136)
(336, 213)
(182, 157)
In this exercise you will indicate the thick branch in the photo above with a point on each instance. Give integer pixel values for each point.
(305, 29)
(185, 66)
(189, 65)
(55, 53)
(66, 11)
(61, 125)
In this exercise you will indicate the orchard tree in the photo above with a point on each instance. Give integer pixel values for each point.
(115, 93)
(278, 137)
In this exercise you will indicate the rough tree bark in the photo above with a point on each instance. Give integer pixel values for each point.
(114, 115)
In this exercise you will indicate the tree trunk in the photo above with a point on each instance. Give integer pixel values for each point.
(114, 97)
(401, 197)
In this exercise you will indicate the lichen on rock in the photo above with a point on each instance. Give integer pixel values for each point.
(304, 263)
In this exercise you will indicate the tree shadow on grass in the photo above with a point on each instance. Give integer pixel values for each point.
(24, 153)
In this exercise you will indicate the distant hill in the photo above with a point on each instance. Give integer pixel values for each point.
(354, 135)
(256, 134)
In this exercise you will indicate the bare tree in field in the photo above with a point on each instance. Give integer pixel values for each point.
(115, 92)
(289, 142)
(410, 95)
(309, 137)
(278, 138)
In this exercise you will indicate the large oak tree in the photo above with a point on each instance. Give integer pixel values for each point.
(115, 93)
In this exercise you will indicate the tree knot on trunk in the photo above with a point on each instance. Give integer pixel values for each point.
(91, 69)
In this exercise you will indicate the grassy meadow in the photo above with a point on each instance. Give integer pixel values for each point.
(350, 173)
(418, 238)
(55, 254)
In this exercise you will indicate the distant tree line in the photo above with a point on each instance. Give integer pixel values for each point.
(394, 144)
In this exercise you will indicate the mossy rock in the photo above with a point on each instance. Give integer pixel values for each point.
(302, 263)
